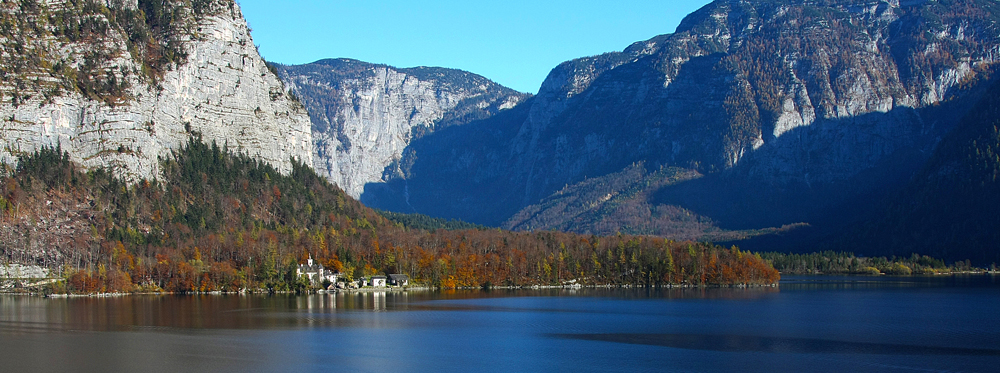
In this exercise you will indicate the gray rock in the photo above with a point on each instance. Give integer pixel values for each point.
(223, 90)
(19, 271)
(364, 114)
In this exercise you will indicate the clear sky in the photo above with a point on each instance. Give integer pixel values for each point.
(512, 42)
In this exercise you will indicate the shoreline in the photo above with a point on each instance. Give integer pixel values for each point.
(390, 290)
(417, 288)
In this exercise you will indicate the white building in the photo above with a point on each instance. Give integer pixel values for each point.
(315, 272)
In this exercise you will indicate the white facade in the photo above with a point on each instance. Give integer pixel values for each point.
(315, 272)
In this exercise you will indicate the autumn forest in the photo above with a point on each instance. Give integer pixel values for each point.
(220, 221)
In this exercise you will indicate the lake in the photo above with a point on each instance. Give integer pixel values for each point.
(815, 324)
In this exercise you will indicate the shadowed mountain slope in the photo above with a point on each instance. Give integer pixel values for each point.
(792, 111)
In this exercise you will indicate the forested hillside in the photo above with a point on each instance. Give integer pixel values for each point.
(219, 221)
(846, 263)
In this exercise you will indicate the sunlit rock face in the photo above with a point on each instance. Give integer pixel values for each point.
(221, 88)
(364, 115)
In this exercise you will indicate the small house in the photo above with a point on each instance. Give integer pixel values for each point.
(378, 281)
(399, 280)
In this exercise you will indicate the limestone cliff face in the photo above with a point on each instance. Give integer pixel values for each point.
(123, 92)
(364, 115)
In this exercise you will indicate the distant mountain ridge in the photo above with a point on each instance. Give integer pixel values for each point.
(791, 110)
(364, 115)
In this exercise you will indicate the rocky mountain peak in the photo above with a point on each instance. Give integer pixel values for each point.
(364, 115)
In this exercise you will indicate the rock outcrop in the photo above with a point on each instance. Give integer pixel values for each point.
(364, 115)
(118, 84)
(738, 77)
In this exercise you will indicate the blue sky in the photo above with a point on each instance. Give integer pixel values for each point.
(513, 42)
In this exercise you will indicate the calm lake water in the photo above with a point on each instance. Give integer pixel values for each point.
(808, 324)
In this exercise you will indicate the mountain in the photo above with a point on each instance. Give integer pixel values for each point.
(791, 112)
(364, 115)
(949, 209)
(120, 84)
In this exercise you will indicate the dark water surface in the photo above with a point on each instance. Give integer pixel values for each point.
(808, 324)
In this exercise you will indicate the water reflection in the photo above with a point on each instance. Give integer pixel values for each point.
(25, 314)
(151, 312)
(789, 283)
(808, 324)
(741, 343)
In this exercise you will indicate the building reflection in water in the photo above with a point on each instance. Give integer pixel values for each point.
(20, 314)
(378, 301)
(350, 301)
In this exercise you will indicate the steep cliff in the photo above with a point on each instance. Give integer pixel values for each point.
(364, 115)
(120, 83)
(790, 109)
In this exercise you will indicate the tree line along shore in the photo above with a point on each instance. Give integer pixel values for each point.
(221, 221)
